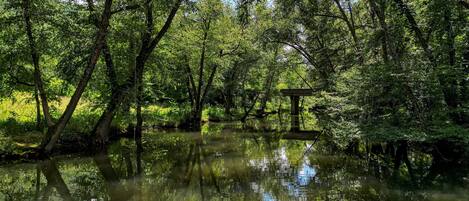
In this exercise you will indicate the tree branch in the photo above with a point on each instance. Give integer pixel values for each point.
(415, 28)
(209, 82)
(166, 26)
(18, 81)
(300, 50)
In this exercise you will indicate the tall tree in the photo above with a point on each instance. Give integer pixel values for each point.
(35, 59)
(212, 50)
(54, 131)
(149, 41)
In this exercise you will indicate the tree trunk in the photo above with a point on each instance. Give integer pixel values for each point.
(54, 132)
(350, 22)
(197, 93)
(380, 12)
(148, 45)
(35, 58)
(415, 28)
(139, 125)
(248, 111)
(229, 85)
(38, 110)
(102, 127)
(464, 83)
(195, 119)
(451, 96)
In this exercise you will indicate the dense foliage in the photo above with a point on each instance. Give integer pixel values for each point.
(387, 69)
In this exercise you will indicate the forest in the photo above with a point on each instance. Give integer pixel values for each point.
(192, 100)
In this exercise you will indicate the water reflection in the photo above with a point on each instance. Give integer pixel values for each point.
(54, 180)
(225, 166)
(116, 190)
(293, 178)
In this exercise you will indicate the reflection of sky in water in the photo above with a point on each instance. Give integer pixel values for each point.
(302, 178)
(267, 197)
(305, 174)
(294, 179)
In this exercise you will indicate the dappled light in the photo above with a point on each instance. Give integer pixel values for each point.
(234, 100)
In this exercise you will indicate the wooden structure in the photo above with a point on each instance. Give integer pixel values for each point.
(295, 105)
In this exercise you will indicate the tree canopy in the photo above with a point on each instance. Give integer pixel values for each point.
(375, 65)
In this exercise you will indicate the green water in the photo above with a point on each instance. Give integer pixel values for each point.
(230, 166)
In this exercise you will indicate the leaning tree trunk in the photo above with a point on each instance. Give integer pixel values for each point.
(54, 132)
(103, 126)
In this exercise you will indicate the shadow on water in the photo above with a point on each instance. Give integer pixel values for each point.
(116, 184)
(221, 164)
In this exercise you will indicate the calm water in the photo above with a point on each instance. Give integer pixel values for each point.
(226, 165)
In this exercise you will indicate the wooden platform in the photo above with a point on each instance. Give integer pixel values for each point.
(297, 92)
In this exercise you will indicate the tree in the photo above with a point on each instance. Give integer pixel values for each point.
(149, 42)
(55, 129)
(201, 68)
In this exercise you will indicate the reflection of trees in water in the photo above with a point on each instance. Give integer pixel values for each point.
(116, 189)
(196, 160)
(418, 166)
(210, 169)
(54, 180)
(234, 175)
(221, 166)
(397, 165)
(394, 170)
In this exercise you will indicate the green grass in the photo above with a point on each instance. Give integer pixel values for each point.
(154, 115)
(18, 121)
(213, 114)
(18, 115)
(20, 107)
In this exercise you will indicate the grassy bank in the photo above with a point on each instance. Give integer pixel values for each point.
(18, 129)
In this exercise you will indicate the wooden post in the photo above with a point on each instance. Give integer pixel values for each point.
(295, 105)
(295, 117)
